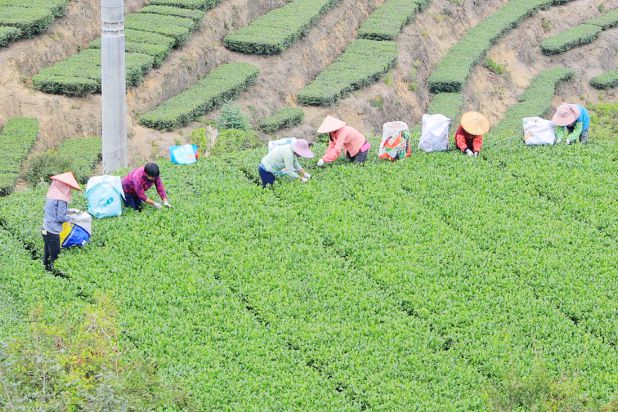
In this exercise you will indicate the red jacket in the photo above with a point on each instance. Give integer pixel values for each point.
(347, 138)
(465, 140)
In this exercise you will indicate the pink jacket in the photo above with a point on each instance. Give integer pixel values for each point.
(347, 138)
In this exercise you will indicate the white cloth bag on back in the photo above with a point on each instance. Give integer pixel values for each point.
(276, 143)
(538, 131)
(434, 133)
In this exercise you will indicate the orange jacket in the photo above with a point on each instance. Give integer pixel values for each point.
(465, 140)
(347, 138)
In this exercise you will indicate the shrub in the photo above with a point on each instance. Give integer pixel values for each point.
(17, 138)
(174, 11)
(448, 104)
(494, 67)
(187, 4)
(606, 80)
(386, 22)
(159, 52)
(216, 88)
(284, 118)
(232, 117)
(8, 34)
(454, 68)
(604, 120)
(44, 165)
(177, 27)
(535, 101)
(84, 152)
(568, 39)
(137, 36)
(230, 140)
(56, 7)
(362, 63)
(278, 29)
(29, 20)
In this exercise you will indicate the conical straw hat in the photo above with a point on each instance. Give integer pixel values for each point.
(475, 123)
(330, 124)
(565, 114)
(68, 179)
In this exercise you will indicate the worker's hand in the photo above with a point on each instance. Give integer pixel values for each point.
(307, 175)
(567, 141)
(476, 154)
(469, 152)
(304, 180)
(156, 205)
(321, 162)
(167, 204)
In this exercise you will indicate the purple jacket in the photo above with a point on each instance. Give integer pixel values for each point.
(136, 183)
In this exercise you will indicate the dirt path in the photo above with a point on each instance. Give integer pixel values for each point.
(520, 54)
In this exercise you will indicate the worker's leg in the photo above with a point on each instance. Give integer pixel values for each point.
(361, 157)
(267, 177)
(52, 250)
(132, 202)
(583, 137)
(45, 251)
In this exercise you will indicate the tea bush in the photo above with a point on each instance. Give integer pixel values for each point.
(453, 70)
(606, 21)
(187, 4)
(174, 11)
(26, 18)
(607, 80)
(361, 64)
(448, 104)
(220, 85)
(44, 165)
(278, 29)
(8, 34)
(85, 154)
(568, 39)
(284, 118)
(16, 138)
(386, 22)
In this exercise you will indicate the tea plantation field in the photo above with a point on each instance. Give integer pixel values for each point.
(439, 283)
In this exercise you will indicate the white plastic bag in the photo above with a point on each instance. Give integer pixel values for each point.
(104, 195)
(281, 142)
(395, 142)
(434, 133)
(538, 131)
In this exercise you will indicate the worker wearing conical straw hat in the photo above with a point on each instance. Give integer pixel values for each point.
(343, 137)
(59, 196)
(572, 122)
(469, 135)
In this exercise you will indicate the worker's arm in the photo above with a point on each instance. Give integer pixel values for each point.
(161, 189)
(290, 168)
(62, 212)
(561, 133)
(334, 148)
(574, 135)
(460, 139)
(477, 144)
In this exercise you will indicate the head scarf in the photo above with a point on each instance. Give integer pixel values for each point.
(59, 191)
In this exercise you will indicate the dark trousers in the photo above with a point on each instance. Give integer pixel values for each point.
(267, 177)
(359, 158)
(51, 245)
(132, 202)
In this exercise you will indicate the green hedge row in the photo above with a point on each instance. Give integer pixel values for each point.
(387, 21)
(26, 18)
(607, 80)
(362, 63)
(80, 74)
(284, 118)
(85, 153)
(584, 33)
(454, 69)
(607, 20)
(16, 139)
(187, 4)
(535, 101)
(278, 29)
(568, 39)
(448, 104)
(150, 35)
(218, 86)
(8, 34)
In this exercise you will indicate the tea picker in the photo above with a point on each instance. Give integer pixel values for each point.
(572, 122)
(138, 181)
(59, 195)
(282, 160)
(343, 137)
(469, 134)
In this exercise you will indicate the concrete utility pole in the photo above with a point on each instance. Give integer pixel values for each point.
(113, 86)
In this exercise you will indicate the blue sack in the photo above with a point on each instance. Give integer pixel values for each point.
(104, 195)
(183, 155)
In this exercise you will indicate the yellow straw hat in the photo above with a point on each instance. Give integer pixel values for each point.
(475, 123)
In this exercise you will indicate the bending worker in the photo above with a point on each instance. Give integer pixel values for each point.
(572, 122)
(138, 181)
(59, 196)
(283, 161)
(340, 136)
(469, 135)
